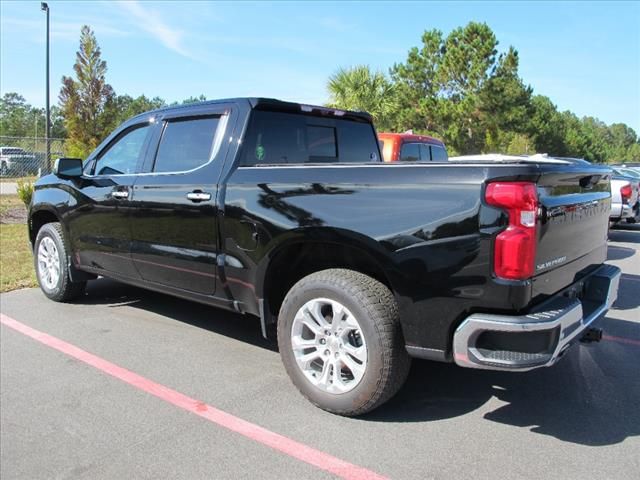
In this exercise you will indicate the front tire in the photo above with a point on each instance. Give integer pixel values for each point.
(340, 341)
(51, 259)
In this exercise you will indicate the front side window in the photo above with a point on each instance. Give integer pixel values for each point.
(121, 157)
(277, 138)
(410, 152)
(186, 144)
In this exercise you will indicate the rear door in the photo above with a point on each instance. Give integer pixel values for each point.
(174, 217)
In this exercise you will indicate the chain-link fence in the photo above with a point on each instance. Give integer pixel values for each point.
(27, 156)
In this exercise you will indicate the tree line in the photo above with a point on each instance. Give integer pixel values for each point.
(460, 89)
(457, 87)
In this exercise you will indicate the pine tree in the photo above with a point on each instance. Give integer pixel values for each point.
(85, 100)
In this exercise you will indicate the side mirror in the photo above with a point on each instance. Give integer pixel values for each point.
(68, 167)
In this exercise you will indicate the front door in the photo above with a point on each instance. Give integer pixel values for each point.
(101, 203)
(174, 220)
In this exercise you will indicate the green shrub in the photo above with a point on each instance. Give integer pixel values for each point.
(25, 192)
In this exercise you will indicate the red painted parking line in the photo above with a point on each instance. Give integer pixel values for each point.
(628, 341)
(250, 430)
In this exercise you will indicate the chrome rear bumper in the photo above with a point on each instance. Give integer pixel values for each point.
(538, 338)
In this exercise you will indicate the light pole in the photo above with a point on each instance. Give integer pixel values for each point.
(45, 7)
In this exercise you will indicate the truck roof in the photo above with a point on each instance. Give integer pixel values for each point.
(260, 103)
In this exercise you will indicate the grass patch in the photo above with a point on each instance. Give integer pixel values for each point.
(10, 201)
(16, 262)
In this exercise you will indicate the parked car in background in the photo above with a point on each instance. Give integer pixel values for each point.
(625, 198)
(406, 147)
(624, 171)
(635, 166)
(14, 160)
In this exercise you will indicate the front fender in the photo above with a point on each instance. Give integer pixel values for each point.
(50, 198)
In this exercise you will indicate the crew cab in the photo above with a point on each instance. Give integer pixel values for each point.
(407, 147)
(287, 212)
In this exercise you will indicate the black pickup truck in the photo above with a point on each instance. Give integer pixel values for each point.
(287, 212)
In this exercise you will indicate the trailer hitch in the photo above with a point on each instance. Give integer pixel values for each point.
(592, 335)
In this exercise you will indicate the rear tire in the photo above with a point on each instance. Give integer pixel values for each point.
(51, 259)
(341, 343)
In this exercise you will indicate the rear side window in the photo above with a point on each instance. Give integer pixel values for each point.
(186, 144)
(424, 152)
(410, 152)
(438, 154)
(277, 138)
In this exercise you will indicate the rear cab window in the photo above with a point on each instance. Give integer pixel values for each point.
(274, 138)
(422, 152)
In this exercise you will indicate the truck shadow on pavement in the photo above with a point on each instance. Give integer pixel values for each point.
(628, 292)
(244, 328)
(619, 253)
(629, 232)
(590, 397)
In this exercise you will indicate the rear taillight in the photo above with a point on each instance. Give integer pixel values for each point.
(515, 248)
(625, 193)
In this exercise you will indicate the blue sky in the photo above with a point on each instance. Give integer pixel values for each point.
(585, 55)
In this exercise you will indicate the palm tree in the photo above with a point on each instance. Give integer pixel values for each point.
(359, 88)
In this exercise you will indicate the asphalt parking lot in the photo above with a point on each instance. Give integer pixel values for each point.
(70, 413)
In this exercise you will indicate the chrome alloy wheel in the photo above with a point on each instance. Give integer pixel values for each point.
(329, 346)
(48, 263)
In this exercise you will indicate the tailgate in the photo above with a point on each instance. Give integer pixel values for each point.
(573, 219)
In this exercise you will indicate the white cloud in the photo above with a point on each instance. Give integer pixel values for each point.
(151, 22)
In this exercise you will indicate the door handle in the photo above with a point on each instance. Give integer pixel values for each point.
(198, 196)
(120, 194)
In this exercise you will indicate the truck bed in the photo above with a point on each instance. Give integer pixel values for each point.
(427, 226)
